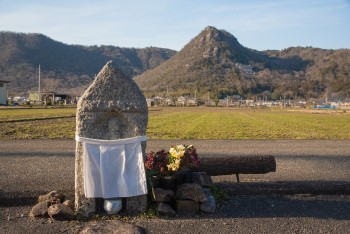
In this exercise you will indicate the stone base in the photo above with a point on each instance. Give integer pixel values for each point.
(136, 205)
(187, 207)
(131, 206)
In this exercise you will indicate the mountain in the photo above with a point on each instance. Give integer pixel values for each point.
(215, 63)
(66, 68)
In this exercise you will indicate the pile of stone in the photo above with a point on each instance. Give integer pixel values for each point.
(53, 205)
(187, 197)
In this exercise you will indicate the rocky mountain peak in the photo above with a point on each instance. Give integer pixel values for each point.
(215, 44)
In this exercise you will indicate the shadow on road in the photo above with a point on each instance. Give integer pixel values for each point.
(36, 154)
(322, 207)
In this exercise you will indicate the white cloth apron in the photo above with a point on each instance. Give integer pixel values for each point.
(113, 168)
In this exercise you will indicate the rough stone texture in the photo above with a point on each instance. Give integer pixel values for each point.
(162, 195)
(113, 226)
(40, 210)
(187, 207)
(50, 195)
(190, 191)
(113, 107)
(136, 205)
(69, 203)
(60, 212)
(201, 178)
(165, 210)
(209, 205)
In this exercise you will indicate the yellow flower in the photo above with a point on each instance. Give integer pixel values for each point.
(174, 166)
(177, 151)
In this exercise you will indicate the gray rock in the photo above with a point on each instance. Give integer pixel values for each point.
(209, 205)
(50, 196)
(113, 107)
(162, 195)
(69, 203)
(60, 212)
(113, 226)
(112, 96)
(40, 210)
(201, 178)
(190, 191)
(187, 207)
(47, 197)
(166, 210)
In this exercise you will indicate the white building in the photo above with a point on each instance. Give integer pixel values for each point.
(3, 92)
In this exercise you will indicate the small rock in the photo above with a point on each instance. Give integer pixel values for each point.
(46, 197)
(60, 197)
(40, 210)
(201, 178)
(60, 212)
(113, 226)
(209, 205)
(54, 200)
(162, 195)
(50, 195)
(190, 191)
(186, 207)
(69, 203)
(165, 210)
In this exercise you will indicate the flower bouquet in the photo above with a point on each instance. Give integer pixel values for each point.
(179, 158)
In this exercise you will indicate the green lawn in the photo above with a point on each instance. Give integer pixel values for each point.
(228, 123)
(190, 123)
(50, 123)
(14, 114)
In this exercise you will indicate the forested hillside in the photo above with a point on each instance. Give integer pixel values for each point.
(215, 63)
(66, 68)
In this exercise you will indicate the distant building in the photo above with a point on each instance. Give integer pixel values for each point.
(192, 102)
(3, 92)
(236, 97)
(48, 97)
(181, 101)
(344, 104)
(150, 102)
(245, 68)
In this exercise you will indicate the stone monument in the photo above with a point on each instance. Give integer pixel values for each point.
(112, 109)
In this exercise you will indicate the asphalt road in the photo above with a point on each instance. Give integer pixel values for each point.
(31, 168)
(44, 165)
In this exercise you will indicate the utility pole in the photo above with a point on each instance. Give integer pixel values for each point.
(39, 94)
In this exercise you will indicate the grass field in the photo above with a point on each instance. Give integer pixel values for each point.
(190, 123)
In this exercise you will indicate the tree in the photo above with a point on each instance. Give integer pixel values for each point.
(50, 85)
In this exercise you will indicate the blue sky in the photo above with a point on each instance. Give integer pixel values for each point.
(257, 24)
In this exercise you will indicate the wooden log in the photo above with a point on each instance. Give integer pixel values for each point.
(228, 165)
